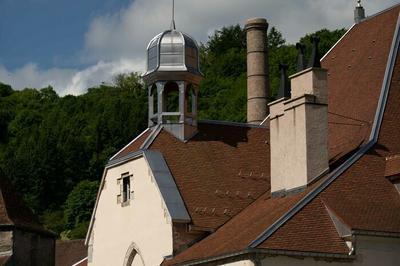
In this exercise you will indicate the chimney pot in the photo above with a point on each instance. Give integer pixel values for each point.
(315, 60)
(301, 61)
(284, 89)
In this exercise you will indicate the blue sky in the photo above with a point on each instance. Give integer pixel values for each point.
(73, 45)
(49, 32)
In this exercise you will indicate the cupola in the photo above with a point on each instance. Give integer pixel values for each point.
(172, 78)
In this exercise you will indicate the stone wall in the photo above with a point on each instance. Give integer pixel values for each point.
(31, 249)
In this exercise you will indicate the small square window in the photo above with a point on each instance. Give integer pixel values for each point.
(126, 192)
(126, 189)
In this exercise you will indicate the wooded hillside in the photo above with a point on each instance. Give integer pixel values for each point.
(54, 148)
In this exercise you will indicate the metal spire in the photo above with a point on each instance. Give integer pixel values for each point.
(173, 27)
(359, 3)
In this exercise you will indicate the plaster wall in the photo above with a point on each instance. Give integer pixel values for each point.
(295, 135)
(277, 140)
(144, 225)
(241, 263)
(299, 133)
(312, 81)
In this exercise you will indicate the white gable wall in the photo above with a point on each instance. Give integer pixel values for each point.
(145, 223)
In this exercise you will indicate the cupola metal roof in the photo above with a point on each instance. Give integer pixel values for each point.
(172, 51)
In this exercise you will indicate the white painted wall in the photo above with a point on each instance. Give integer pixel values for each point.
(144, 222)
(240, 263)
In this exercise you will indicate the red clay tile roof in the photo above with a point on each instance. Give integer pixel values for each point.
(392, 165)
(216, 153)
(236, 234)
(362, 197)
(356, 67)
(134, 145)
(13, 211)
(82, 263)
(70, 252)
(311, 230)
(214, 180)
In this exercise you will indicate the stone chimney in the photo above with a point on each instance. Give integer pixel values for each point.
(359, 12)
(299, 131)
(257, 70)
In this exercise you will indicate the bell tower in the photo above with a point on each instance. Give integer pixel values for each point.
(172, 79)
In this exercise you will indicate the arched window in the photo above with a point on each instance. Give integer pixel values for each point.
(154, 94)
(133, 257)
(171, 97)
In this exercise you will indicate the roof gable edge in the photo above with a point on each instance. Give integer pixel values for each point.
(127, 145)
(341, 38)
(146, 144)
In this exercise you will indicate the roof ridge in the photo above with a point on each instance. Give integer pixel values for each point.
(354, 24)
(341, 38)
(228, 123)
(354, 158)
(379, 13)
(153, 135)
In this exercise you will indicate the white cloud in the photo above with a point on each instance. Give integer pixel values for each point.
(125, 34)
(66, 81)
(115, 43)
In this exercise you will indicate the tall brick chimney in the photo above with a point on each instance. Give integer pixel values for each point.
(299, 130)
(257, 70)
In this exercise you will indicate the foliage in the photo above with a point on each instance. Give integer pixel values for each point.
(78, 207)
(80, 202)
(223, 62)
(54, 148)
(48, 144)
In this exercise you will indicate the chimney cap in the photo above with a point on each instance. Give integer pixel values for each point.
(256, 23)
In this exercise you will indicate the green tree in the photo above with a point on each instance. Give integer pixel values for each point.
(79, 205)
(53, 146)
(327, 39)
